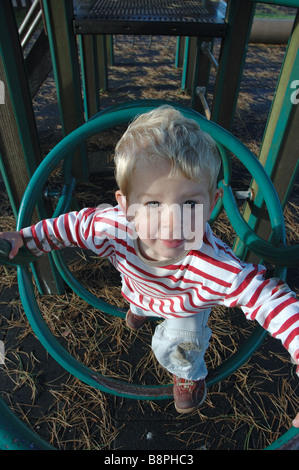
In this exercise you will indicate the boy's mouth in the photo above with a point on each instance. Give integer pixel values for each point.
(172, 243)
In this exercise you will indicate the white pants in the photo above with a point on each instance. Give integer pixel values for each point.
(180, 344)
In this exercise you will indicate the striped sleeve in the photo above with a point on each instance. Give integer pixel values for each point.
(271, 303)
(74, 229)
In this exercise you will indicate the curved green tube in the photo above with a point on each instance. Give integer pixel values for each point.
(23, 258)
(72, 365)
(15, 435)
(288, 441)
(277, 255)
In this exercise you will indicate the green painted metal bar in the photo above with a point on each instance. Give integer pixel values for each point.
(20, 111)
(71, 67)
(15, 435)
(288, 441)
(65, 201)
(284, 3)
(185, 62)
(23, 258)
(233, 53)
(7, 184)
(197, 65)
(84, 78)
(291, 185)
(15, 75)
(18, 94)
(244, 353)
(66, 69)
(282, 106)
(105, 58)
(279, 145)
(88, 47)
(110, 49)
(84, 293)
(202, 73)
(179, 51)
(277, 254)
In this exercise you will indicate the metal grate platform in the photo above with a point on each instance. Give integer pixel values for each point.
(150, 17)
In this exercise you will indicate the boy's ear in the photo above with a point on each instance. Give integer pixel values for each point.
(122, 201)
(218, 193)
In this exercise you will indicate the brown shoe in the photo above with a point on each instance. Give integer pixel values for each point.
(188, 394)
(135, 322)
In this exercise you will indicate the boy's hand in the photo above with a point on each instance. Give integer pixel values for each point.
(15, 240)
(296, 421)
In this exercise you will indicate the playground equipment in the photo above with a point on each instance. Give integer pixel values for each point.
(274, 251)
(65, 24)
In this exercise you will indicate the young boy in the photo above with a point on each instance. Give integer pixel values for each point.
(172, 265)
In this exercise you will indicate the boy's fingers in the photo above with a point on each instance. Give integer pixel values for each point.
(295, 422)
(12, 253)
(14, 250)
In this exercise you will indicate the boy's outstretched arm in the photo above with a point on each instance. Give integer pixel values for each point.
(16, 241)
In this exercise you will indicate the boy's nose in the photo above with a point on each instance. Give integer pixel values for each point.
(171, 222)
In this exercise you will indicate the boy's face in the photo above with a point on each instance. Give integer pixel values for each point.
(169, 212)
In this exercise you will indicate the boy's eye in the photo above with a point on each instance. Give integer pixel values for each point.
(153, 204)
(190, 204)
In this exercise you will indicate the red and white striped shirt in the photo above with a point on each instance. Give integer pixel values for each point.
(200, 279)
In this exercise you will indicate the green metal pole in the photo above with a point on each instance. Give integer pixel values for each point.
(233, 53)
(18, 91)
(15, 435)
(279, 150)
(64, 53)
(20, 149)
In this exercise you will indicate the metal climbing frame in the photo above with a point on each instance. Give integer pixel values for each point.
(275, 252)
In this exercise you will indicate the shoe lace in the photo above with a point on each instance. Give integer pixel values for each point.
(185, 383)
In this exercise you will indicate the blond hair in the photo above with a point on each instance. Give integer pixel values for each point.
(165, 134)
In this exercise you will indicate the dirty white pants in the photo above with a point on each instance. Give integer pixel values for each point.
(180, 344)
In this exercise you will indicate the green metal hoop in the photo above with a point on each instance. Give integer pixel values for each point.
(276, 252)
(111, 117)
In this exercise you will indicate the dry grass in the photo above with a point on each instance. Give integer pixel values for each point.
(249, 410)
